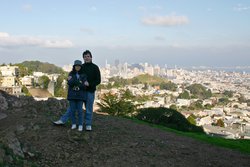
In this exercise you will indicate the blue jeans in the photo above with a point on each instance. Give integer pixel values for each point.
(89, 110)
(76, 105)
(65, 117)
(89, 107)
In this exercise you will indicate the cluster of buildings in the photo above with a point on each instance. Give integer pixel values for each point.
(9, 79)
(12, 82)
(235, 115)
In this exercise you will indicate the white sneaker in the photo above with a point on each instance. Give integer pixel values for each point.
(80, 128)
(73, 126)
(88, 128)
(59, 122)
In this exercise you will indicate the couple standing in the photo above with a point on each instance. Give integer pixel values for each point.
(82, 82)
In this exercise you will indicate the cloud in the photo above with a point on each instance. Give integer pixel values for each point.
(241, 8)
(87, 30)
(27, 8)
(4, 35)
(57, 44)
(7, 40)
(171, 20)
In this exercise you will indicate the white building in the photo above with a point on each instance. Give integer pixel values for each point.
(205, 121)
(38, 74)
(27, 80)
(8, 70)
(9, 81)
(183, 102)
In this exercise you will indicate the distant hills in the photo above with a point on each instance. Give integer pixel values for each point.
(27, 67)
(146, 78)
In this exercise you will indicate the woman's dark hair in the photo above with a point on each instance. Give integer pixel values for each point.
(73, 71)
(86, 52)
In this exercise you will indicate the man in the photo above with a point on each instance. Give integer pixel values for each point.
(93, 78)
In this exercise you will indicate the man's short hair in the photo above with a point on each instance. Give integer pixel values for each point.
(86, 52)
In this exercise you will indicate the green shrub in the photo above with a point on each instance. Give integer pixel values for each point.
(116, 105)
(191, 119)
(167, 117)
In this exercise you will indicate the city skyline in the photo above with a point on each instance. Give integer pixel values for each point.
(172, 32)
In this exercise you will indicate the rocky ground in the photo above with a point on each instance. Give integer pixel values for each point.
(28, 132)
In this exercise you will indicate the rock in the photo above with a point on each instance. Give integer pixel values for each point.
(2, 154)
(14, 144)
(20, 129)
(8, 159)
(2, 115)
(36, 127)
(4, 103)
(66, 155)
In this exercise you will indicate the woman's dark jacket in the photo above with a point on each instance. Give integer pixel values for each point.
(76, 88)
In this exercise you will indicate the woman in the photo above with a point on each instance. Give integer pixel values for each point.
(77, 82)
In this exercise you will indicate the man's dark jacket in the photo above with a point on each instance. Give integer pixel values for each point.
(93, 75)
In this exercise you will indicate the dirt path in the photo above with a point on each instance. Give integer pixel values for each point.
(36, 92)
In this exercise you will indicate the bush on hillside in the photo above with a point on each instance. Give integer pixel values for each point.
(167, 117)
(26, 91)
(116, 105)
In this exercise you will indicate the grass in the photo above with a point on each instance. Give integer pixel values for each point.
(241, 145)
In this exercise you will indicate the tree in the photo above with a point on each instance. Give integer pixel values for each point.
(208, 106)
(228, 93)
(191, 119)
(242, 99)
(135, 81)
(26, 91)
(200, 91)
(43, 81)
(116, 105)
(173, 107)
(196, 105)
(220, 123)
(168, 86)
(23, 71)
(223, 101)
(127, 94)
(184, 95)
(118, 82)
(60, 90)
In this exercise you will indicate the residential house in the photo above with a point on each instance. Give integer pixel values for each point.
(8, 70)
(27, 81)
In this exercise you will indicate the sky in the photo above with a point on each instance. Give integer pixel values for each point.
(214, 33)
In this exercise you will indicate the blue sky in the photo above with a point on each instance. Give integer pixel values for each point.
(172, 32)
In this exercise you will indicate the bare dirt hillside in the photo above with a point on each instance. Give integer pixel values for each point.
(41, 93)
(29, 133)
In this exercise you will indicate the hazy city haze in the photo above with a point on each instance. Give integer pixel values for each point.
(172, 32)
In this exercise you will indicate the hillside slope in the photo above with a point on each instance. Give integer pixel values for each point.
(28, 131)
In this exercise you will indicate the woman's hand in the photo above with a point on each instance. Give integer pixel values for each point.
(86, 83)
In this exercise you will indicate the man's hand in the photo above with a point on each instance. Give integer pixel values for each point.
(69, 78)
